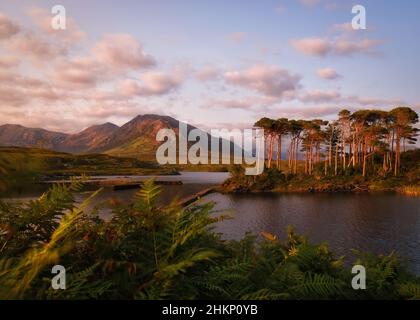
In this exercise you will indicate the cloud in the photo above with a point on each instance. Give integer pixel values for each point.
(79, 72)
(312, 46)
(369, 101)
(208, 73)
(268, 80)
(8, 27)
(28, 43)
(317, 96)
(24, 89)
(237, 37)
(242, 104)
(152, 83)
(14, 79)
(122, 51)
(322, 47)
(31, 45)
(346, 47)
(123, 109)
(328, 73)
(8, 62)
(310, 112)
(12, 97)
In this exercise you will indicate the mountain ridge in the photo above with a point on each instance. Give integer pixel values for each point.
(136, 137)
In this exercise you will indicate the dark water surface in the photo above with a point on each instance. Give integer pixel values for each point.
(376, 223)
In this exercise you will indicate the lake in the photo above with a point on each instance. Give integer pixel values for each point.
(376, 223)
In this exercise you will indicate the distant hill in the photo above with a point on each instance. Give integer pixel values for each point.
(20, 136)
(87, 140)
(136, 138)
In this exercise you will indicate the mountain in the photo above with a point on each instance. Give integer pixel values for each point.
(19, 136)
(143, 127)
(88, 139)
(136, 138)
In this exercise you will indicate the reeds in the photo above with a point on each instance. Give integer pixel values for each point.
(413, 190)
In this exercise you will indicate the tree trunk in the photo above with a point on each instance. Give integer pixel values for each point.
(397, 154)
(270, 150)
(364, 158)
(278, 151)
(336, 160)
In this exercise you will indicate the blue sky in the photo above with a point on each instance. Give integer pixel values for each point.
(212, 63)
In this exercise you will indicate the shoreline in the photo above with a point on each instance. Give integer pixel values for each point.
(408, 190)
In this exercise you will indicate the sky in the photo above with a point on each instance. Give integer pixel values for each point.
(214, 64)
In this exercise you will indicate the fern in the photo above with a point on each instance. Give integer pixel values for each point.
(147, 251)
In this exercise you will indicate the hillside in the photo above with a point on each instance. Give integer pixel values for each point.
(20, 167)
(88, 139)
(20, 136)
(136, 138)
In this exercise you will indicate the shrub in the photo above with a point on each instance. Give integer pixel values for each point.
(151, 252)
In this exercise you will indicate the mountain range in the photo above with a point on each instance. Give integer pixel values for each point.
(135, 138)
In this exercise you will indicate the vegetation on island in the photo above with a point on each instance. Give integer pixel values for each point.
(151, 252)
(361, 151)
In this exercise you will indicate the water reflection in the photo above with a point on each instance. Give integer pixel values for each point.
(377, 223)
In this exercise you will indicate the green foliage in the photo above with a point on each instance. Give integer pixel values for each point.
(151, 252)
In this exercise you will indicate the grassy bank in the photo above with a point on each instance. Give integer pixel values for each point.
(23, 166)
(149, 252)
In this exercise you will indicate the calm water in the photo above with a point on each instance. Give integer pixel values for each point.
(377, 223)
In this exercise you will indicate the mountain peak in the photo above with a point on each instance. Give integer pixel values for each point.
(138, 134)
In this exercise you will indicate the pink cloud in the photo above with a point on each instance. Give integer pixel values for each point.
(317, 96)
(152, 83)
(79, 72)
(328, 74)
(348, 47)
(8, 62)
(307, 112)
(242, 104)
(12, 97)
(8, 27)
(14, 79)
(312, 46)
(122, 51)
(343, 46)
(269, 80)
(31, 45)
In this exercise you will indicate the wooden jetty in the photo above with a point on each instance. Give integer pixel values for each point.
(194, 197)
(135, 185)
